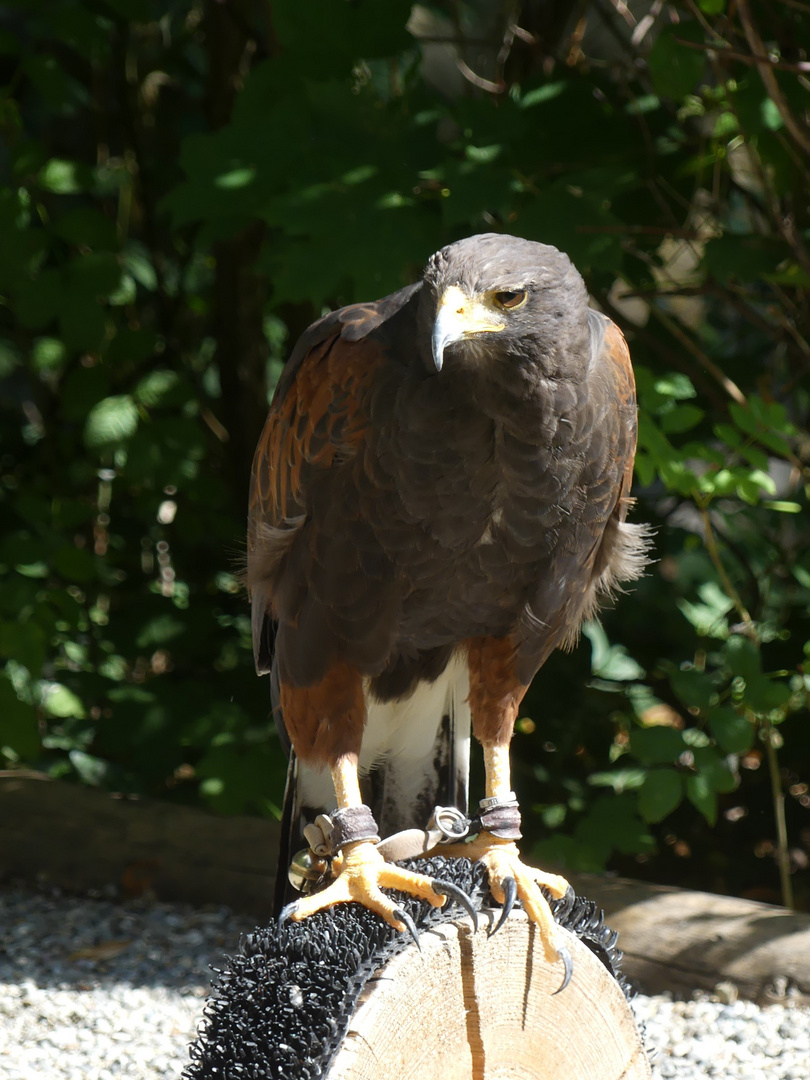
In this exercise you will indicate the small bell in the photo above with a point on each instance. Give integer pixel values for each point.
(305, 869)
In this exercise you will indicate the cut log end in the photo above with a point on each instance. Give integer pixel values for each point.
(474, 1007)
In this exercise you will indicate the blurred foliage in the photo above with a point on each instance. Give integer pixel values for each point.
(185, 186)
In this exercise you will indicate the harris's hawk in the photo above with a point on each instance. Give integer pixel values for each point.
(438, 500)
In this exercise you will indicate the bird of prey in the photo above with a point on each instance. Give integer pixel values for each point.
(438, 501)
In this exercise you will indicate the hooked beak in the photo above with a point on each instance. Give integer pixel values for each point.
(460, 316)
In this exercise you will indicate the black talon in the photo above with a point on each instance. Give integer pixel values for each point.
(287, 913)
(410, 925)
(454, 893)
(509, 886)
(564, 904)
(568, 963)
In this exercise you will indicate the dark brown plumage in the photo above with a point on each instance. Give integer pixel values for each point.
(438, 501)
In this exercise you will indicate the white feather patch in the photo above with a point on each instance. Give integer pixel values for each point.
(403, 733)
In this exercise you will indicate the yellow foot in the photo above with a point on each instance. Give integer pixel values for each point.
(362, 873)
(509, 878)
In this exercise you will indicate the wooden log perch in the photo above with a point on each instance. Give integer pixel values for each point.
(679, 940)
(344, 996)
(82, 839)
(474, 1007)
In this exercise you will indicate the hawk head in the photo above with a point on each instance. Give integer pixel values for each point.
(498, 296)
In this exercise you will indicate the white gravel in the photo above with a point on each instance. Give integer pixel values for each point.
(709, 1038)
(91, 988)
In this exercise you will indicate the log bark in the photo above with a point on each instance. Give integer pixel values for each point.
(678, 940)
(474, 1007)
(82, 840)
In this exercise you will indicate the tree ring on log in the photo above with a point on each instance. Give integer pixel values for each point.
(288, 1004)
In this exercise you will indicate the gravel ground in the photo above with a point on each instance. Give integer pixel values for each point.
(91, 988)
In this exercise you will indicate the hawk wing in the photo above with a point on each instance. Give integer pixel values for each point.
(316, 429)
(316, 422)
(595, 547)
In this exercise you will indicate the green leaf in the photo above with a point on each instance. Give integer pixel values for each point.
(160, 631)
(694, 688)
(675, 385)
(782, 507)
(61, 702)
(75, 564)
(718, 775)
(125, 294)
(702, 796)
(771, 116)
(96, 274)
(657, 745)
(728, 434)
(660, 795)
(774, 442)
(676, 69)
(681, 418)
(618, 779)
(92, 770)
(764, 695)
(612, 824)
(62, 177)
(156, 386)
(610, 661)
(726, 126)
(734, 733)
(111, 421)
(763, 481)
(707, 620)
(235, 178)
(235, 778)
(10, 357)
(19, 730)
(743, 656)
(48, 354)
(138, 262)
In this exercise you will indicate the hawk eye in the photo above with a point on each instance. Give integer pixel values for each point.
(510, 298)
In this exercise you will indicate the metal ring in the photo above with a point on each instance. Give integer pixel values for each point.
(450, 822)
(509, 799)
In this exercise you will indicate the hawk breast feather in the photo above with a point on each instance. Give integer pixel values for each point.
(388, 506)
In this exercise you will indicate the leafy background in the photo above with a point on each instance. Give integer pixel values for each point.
(186, 186)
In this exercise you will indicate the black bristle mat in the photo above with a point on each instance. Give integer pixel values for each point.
(282, 1005)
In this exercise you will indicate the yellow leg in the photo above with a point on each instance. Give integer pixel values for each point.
(346, 782)
(497, 770)
(508, 875)
(362, 872)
